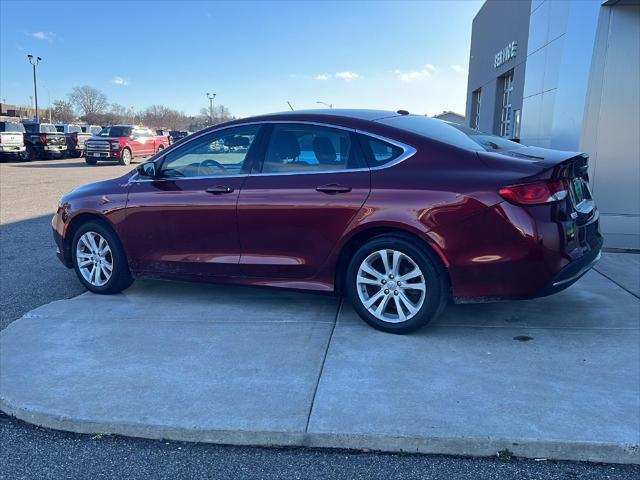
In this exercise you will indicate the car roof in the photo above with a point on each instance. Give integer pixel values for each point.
(359, 114)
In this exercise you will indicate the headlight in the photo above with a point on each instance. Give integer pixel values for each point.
(115, 145)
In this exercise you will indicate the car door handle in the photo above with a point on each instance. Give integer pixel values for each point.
(333, 188)
(219, 189)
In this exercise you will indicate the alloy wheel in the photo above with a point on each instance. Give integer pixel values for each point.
(391, 286)
(94, 258)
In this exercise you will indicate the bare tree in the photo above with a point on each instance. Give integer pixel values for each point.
(88, 100)
(62, 111)
(120, 114)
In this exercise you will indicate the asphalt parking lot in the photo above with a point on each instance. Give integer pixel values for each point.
(31, 276)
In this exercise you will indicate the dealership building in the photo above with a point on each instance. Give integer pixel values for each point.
(566, 75)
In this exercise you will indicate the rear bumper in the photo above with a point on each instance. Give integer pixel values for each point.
(16, 149)
(572, 272)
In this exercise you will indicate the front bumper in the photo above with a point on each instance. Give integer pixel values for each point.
(59, 229)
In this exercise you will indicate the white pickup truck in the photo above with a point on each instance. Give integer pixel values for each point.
(12, 141)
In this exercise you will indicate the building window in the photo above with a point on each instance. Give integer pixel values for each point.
(476, 97)
(506, 124)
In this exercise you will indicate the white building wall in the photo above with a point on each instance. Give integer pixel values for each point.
(611, 132)
(581, 94)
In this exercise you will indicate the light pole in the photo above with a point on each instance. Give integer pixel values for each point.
(330, 105)
(211, 96)
(34, 63)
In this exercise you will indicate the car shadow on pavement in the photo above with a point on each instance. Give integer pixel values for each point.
(31, 274)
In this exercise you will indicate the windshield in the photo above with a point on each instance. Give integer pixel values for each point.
(11, 127)
(451, 133)
(115, 132)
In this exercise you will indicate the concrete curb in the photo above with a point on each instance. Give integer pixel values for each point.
(462, 446)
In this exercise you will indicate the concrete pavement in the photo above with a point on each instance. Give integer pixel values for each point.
(557, 377)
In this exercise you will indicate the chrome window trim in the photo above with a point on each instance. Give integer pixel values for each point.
(408, 151)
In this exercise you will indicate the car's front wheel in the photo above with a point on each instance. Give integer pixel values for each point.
(395, 285)
(99, 259)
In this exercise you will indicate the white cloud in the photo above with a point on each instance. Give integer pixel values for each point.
(120, 81)
(458, 68)
(410, 76)
(323, 76)
(348, 75)
(48, 36)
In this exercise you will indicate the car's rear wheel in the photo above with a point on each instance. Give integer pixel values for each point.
(125, 157)
(90, 161)
(99, 259)
(395, 285)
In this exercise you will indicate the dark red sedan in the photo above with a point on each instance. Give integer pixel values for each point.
(401, 212)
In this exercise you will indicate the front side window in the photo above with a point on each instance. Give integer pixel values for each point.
(215, 154)
(309, 148)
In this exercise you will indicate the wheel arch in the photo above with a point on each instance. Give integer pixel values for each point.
(75, 223)
(361, 237)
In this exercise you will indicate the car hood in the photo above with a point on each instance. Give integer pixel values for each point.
(106, 139)
(104, 187)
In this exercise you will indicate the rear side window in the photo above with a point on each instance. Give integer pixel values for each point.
(379, 152)
(301, 148)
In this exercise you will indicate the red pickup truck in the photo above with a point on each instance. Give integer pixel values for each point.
(123, 143)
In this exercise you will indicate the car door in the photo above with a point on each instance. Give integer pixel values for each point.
(184, 222)
(311, 183)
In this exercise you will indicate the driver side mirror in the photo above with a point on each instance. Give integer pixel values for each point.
(148, 170)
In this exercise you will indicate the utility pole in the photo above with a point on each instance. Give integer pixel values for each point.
(211, 96)
(34, 64)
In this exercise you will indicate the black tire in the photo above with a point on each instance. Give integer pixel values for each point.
(121, 276)
(31, 155)
(436, 294)
(90, 161)
(125, 157)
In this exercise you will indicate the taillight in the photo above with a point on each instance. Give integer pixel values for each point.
(74, 138)
(535, 193)
(43, 138)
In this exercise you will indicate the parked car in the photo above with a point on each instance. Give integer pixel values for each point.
(12, 141)
(92, 129)
(74, 137)
(44, 141)
(401, 212)
(165, 133)
(124, 143)
(177, 135)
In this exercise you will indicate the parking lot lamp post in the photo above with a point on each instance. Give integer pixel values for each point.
(34, 63)
(330, 105)
(211, 96)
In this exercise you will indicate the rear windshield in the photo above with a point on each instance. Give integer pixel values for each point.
(74, 129)
(47, 128)
(115, 132)
(11, 127)
(451, 133)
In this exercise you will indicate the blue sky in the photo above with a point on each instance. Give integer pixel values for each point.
(255, 56)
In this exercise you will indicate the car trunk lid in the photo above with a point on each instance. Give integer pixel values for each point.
(11, 139)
